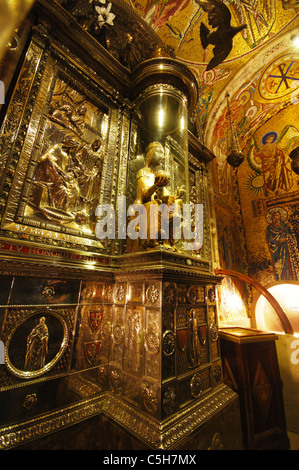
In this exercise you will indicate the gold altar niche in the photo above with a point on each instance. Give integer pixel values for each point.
(129, 328)
(163, 92)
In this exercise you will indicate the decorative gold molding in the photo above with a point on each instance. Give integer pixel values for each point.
(15, 435)
(169, 434)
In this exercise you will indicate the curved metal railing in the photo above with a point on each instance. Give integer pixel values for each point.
(285, 323)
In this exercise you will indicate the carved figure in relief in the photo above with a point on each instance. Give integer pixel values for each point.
(89, 180)
(67, 181)
(69, 116)
(152, 190)
(77, 118)
(60, 179)
(62, 115)
(37, 346)
(193, 343)
(133, 343)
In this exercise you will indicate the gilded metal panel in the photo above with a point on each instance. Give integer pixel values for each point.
(120, 293)
(37, 342)
(91, 292)
(136, 293)
(40, 291)
(152, 343)
(18, 110)
(118, 331)
(61, 166)
(134, 341)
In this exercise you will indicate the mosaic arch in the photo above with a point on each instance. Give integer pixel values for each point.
(267, 83)
(177, 23)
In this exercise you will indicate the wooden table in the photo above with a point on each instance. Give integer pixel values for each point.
(250, 368)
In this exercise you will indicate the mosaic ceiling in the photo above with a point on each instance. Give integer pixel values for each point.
(260, 74)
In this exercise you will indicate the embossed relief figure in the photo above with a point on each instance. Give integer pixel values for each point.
(133, 341)
(37, 346)
(68, 107)
(193, 343)
(66, 182)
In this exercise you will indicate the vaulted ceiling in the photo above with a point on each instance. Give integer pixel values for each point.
(261, 73)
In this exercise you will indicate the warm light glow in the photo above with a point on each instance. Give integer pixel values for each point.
(287, 295)
(86, 230)
(161, 117)
(235, 302)
(295, 40)
(13, 13)
(90, 264)
(231, 307)
(182, 123)
(104, 126)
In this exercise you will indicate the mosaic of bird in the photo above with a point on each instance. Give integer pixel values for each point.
(219, 17)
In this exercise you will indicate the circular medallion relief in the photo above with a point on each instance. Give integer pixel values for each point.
(118, 333)
(152, 294)
(196, 385)
(168, 343)
(192, 294)
(152, 342)
(214, 332)
(36, 344)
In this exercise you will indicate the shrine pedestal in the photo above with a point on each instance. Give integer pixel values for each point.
(165, 362)
(250, 368)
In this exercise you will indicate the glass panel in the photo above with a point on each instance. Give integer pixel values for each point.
(158, 167)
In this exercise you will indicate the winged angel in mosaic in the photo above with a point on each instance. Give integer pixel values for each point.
(259, 16)
(221, 37)
(271, 158)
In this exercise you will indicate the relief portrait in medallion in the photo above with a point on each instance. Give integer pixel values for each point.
(37, 346)
(36, 343)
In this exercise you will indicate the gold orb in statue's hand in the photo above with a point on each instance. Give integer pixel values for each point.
(162, 178)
